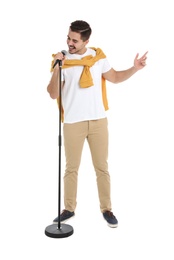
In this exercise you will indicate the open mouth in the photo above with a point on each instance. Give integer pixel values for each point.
(71, 48)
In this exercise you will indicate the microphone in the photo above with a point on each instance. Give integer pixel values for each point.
(60, 61)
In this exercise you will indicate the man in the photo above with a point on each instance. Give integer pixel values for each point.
(84, 104)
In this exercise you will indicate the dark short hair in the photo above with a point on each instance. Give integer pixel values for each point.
(81, 27)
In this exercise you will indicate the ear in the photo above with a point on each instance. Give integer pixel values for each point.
(86, 42)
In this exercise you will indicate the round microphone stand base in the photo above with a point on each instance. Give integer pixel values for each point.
(55, 232)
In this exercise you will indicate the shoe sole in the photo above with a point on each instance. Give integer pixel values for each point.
(113, 226)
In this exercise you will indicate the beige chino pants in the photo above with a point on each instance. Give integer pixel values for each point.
(96, 134)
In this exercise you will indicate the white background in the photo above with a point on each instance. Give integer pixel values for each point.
(140, 124)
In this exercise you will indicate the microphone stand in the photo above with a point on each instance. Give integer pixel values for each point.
(59, 230)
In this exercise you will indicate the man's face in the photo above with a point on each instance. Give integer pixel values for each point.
(75, 43)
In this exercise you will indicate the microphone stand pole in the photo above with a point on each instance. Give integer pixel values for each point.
(59, 230)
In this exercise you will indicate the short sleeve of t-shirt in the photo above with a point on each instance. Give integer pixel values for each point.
(106, 65)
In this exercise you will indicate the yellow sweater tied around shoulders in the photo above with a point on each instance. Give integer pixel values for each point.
(86, 78)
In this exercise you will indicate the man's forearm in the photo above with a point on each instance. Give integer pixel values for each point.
(53, 86)
(125, 74)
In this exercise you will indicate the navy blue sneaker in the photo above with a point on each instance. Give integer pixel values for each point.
(64, 216)
(110, 219)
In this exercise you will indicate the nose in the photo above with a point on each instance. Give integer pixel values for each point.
(70, 42)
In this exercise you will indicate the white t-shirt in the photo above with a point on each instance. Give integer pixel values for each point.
(81, 104)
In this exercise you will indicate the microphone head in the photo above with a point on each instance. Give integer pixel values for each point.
(64, 52)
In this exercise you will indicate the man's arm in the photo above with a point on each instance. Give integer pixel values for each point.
(120, 76)
(53, 86)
